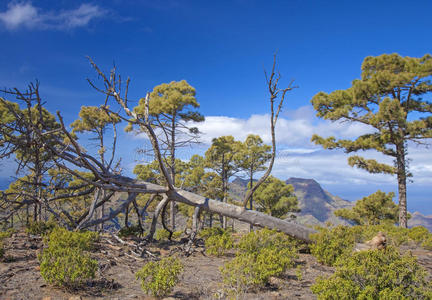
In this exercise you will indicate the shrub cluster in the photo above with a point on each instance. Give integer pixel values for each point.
(375, 274)
(65, 261)
(160, 277)
(261, 255)
(162, 234)
(134, 230)
(41, 227)
(330, 244)
(217, 241)
(4, 234)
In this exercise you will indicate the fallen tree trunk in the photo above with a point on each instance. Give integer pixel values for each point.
(253, 217)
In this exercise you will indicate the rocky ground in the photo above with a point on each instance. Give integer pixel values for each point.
(120, 259)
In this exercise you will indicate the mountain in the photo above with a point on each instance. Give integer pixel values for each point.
(417, 219)
(316, 204)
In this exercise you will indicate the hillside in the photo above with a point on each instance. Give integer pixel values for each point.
(316, 204)
(417, 219)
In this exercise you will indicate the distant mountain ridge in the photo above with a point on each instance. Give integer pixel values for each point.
(317, 205)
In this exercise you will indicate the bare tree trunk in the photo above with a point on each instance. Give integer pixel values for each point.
(401, 177)
(126, 220)
(155, 217)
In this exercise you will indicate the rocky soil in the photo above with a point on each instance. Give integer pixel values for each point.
(120, 259)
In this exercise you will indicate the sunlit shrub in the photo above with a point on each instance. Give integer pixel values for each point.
(162, 234)
(41, 227)
(65, 261)
(134, 230)
(160, 277)
(419, 234)
(332, 243)
(261, 255)
(218, 245)
(375, 274)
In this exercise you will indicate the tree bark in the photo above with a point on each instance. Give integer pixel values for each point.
(402, 190)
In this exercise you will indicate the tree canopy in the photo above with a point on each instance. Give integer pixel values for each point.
(390, 100)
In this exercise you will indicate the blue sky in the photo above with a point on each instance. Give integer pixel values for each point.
(221, 48)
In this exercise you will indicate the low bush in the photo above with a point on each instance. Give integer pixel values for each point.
(63, 238)
(419, 234)
(41, 227)
(261, 255)
(330, 244)
(6, 234)
(65, 261)
(219, 244)
(375, 274)
(211, 231)
(427, 244)
(162, 234)
(134, 230)
(160, 277)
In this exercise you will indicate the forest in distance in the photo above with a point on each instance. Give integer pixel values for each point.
(70, 188)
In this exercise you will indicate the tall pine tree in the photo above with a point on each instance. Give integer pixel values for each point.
(390, 98)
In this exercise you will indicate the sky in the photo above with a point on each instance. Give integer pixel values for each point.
(222, 49)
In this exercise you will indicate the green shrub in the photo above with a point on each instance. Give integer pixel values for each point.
(254, 241)
(332, 243)
(261, 255)
(6, 234)
(375, 274)
(41, 228)
(218, 244)
(68, 239)
(211, 231)
(427, 244)
(68, 267)
(65, 261)
(162, 234)
(134, 230)
(160, 277)
(419, 234)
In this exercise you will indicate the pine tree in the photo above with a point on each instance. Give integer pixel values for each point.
(389, 98)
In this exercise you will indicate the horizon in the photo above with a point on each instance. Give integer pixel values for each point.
(221, 49)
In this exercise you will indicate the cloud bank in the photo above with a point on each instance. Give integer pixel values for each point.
(25, 15)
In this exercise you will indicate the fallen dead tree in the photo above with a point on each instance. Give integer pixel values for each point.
(67, 154)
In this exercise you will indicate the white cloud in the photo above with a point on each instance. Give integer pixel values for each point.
(25, 15)
(294, 130)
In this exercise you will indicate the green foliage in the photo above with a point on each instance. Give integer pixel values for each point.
(261, 255)
(65, 261)
(419, 234)
(162, 234)
(332, 243)
(388, 98)
(218, 244)
(160, 277)
(2, 251)
(64, 238)
(6, 234)
(372, 210)
(375, 274)
(211, 231)
(68, 267)
(134, 230)
(427, 243)
(41, 227)
(275, 197)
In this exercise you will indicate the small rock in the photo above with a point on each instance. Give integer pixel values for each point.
(75, 298)
(37, 268)
(46, 298)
